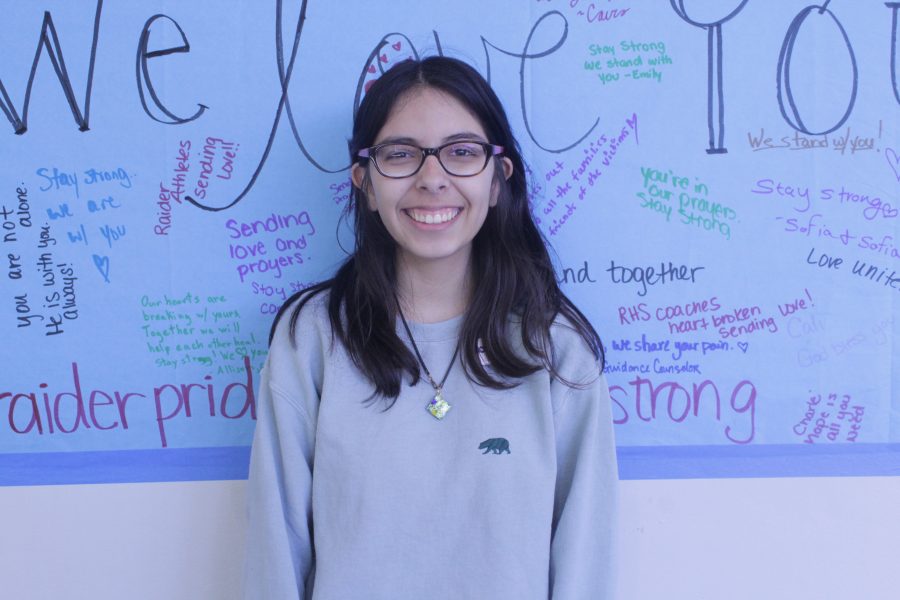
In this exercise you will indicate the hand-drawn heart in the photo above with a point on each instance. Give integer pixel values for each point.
(371, 69)
(894, 161)
(383, 58)
(743, 346)
(369, 84)
(396, 46)
(102, 264)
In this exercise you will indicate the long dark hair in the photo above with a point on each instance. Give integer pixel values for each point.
(513, 276)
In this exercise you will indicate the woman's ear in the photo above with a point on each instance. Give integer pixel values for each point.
(360, 179)
(507, 173)
(507, 167)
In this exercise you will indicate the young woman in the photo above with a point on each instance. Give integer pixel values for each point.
(433, 422)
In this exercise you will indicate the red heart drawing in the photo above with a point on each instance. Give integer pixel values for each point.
(396, 46)
(371, 68)
(383, 58)
(369, 84)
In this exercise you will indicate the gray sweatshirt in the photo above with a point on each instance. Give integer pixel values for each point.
(511, 495)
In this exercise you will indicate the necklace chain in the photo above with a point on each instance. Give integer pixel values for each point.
(438, 407)
(436, 386)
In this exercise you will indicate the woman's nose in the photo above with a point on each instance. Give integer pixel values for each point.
(432, 175)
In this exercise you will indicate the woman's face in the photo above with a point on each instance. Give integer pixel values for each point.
(432, 215)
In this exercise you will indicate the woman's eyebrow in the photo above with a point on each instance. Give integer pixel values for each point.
(398, 140)
(463, 135)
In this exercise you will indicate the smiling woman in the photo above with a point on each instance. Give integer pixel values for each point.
(449, 303)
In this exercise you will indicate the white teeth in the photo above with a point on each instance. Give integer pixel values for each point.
(431, 218)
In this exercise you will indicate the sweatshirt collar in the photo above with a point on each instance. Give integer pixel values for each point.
(433, 332)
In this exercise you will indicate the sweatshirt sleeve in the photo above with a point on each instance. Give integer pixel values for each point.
(584, 514)
(279, 550)
(279, 553)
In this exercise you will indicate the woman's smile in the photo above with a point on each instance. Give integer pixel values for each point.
(433, 216)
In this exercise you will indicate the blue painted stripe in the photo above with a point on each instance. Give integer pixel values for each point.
(635, 462)
(764, 460)
(125, 466)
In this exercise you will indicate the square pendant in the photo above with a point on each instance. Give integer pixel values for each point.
(438, 407)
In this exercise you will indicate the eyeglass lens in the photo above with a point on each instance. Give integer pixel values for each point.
(458, 158)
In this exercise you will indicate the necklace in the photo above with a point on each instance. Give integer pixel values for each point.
(437, 406)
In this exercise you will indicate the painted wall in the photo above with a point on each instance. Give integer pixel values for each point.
(742, 539)
(719, 181)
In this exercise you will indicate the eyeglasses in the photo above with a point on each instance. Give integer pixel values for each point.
(461, 159)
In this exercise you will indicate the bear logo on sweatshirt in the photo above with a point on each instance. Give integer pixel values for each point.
(497, 445)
